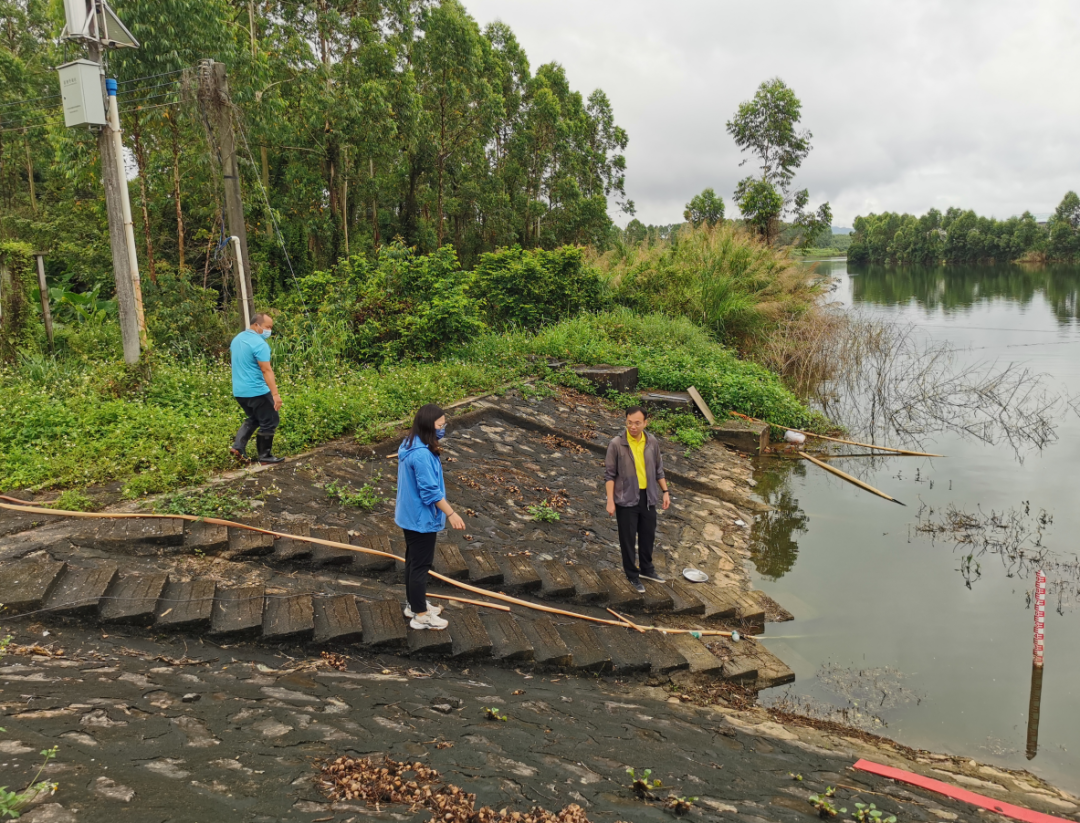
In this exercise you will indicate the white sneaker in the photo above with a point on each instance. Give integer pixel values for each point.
(410, 614)
(427, 620)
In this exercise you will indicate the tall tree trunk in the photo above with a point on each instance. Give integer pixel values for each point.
(140, 161)
(176, 188)
(374, 204)
(30, 175)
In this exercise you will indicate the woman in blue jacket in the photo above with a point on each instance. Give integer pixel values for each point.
(422, 510)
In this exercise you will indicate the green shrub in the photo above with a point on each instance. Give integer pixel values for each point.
(182, 317)
(529, 289)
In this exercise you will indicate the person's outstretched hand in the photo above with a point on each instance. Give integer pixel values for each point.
(456, 522)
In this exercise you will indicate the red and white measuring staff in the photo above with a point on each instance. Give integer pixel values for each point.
(1040, 616)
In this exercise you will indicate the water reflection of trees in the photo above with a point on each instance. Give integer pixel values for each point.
(956, 287)
(773, 543)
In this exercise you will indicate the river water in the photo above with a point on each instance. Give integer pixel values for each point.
(900, 631)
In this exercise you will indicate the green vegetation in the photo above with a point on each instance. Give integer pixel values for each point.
(222, 503)
(959, 236)
(367, 497)
(871, 814)
(719, 278)
(643, 786)
(543, 512)
(73, 500)
(363, 121)
(824, 806)
(493, 713)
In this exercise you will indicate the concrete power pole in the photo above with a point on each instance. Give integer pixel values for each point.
(214, 90)
(128, 291)
(83, 88)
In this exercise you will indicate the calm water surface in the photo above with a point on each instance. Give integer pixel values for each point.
(895, 628)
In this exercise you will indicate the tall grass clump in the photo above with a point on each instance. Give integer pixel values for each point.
(671, 353)
(719, 277)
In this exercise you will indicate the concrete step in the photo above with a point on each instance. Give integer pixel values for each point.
(238, 611)
(699, 659)
(384, 623)
(186, 605)
(587, 585)
(430, 642)
(131, 536)
(549, 649)
(509, 643)
(621, 595)
(519, 575)
(625, 647)
(750, 613)
(24, 584)
(684, 598)
(467, 631)
(244, 543)
(132, 598)
(324, 556)
(288, 550)
(586, 651)
(658, 597)
(555, 580)
(288, 617)
(483, 570)
(367, 564)
(449, 562)
(337, 619)
(79, 589)
(663, 656)
(720, 603)
(205, 538)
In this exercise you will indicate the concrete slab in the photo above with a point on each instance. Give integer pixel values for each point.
(80, 589)
(337, 620)
(133, 598)
(288, 617)
(24, 584)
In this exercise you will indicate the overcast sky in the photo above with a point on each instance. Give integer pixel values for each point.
(913, 104)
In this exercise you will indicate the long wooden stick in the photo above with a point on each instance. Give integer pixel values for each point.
(847, 477)
(347, 547)
(498, 606)
(838, 440)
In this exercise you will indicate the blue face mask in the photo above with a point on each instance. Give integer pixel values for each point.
(265, 334)
(440, 433)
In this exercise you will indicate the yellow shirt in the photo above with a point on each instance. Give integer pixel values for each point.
(637, 448)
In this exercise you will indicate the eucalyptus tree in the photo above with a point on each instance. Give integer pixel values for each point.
(767, 126)
(705, 208)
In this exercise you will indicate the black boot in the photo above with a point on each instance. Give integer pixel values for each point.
(264, 443)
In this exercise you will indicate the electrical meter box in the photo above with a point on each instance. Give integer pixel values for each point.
(80, 86)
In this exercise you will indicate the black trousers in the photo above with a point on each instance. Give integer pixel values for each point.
(419, 555)
(637, 524)
(261, 415)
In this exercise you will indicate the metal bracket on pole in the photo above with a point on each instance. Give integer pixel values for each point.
(243, 280)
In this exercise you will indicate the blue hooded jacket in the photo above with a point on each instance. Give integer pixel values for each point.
(419, 487)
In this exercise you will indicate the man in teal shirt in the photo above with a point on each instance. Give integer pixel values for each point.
(255, 389)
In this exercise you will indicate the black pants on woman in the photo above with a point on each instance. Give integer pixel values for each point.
(419, 555)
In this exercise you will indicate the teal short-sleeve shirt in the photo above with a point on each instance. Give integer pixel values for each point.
(248, 351)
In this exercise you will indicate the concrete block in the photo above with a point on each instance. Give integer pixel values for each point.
(24, 584)
(133, 599)
(742, 435)
(622, 379)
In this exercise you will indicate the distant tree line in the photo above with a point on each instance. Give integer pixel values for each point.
(958, 236)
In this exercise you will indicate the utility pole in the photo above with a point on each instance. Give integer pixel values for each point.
(83, 87)
(128, 299)
(214, 89)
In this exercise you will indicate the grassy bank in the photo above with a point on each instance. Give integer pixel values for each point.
(73, 424)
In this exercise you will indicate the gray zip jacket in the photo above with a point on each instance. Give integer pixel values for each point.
(619, 466)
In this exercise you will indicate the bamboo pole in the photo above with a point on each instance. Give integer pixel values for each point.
(466, 600)
(848, 477)
(215, 521)
(838, 440)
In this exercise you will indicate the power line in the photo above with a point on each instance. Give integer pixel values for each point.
(150, 77)
(29, 100)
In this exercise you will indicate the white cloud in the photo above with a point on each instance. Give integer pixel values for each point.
(913, 105)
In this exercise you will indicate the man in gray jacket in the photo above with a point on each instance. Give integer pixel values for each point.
(634, 478)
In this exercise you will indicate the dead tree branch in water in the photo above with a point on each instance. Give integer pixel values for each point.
(888, 380)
